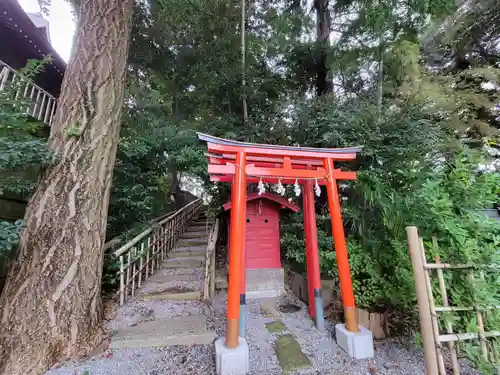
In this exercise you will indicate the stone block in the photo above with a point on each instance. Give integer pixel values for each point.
(229, 361)
(358, 345)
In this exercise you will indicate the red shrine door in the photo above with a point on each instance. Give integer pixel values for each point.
(262, 235)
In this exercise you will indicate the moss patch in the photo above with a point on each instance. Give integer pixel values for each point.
(274, 327)
(290, 356)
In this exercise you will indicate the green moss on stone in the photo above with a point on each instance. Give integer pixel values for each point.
(274, 327)
(290, 356)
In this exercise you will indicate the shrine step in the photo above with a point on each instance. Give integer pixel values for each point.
(182, 330)
(265, 283)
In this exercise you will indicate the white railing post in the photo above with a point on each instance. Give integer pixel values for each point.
(43, 108)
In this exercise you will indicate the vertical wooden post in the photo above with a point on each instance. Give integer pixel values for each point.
(236, 244)
(313, 271)
(351, 318)
(243, 287)
(449, 326)
(141, 262)
(310, 287)
(147, 259)
(127, 277)
(122, 280)
(154, 247)
(134, 268)
(430, 355)
(432, 307)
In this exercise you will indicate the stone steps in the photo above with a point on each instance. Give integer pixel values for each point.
(183, 247)
(182, 330)
(182, 263)
(172, 296)
(200, 225)
(192, 242)
(195, 234)
(161, 278)
(178, 281)
(182, 257)
(188, 253)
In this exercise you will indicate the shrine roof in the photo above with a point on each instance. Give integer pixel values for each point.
(220, 145)
(271, 197)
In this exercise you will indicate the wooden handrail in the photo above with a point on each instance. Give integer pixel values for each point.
(143, 234)
(142, 255)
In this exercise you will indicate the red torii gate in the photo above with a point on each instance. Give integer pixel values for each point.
(242, 163)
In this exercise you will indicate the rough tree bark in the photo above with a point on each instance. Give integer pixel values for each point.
(243, 61)
(324, 84)
(51, 304)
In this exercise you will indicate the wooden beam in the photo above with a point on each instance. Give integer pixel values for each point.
(225, 174)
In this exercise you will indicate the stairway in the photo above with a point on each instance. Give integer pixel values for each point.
(167, 309)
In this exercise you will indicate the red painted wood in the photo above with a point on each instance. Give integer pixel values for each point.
(339, 175)
(262, 241)
(282, 202)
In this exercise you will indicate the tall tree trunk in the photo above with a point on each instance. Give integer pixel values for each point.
(51, 304)
(323, 24)
(243, 62)
(380, 79)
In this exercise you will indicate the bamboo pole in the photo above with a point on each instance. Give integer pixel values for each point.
(134, 269)
(462, 266)
(147, 259)
(479, 318)
(448, 324)
(127, 278)
(430, 355)
(467, 336)
(122, 281)
(432, 305)
(141, 263)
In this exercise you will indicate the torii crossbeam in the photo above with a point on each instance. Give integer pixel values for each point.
(242, 163)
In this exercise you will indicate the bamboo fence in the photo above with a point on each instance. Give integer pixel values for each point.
(432, 338)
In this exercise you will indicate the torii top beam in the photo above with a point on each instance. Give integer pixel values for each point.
(273, 162)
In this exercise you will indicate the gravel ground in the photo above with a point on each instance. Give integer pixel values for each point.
(392, 357)
(175, 360)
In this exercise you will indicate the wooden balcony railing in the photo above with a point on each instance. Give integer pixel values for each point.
(141, 256)
(39, 103)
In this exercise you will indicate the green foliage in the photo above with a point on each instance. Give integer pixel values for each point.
(9, 237)
(22, 152)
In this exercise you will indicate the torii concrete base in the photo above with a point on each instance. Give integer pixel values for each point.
(231, 361)
(358, 345)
